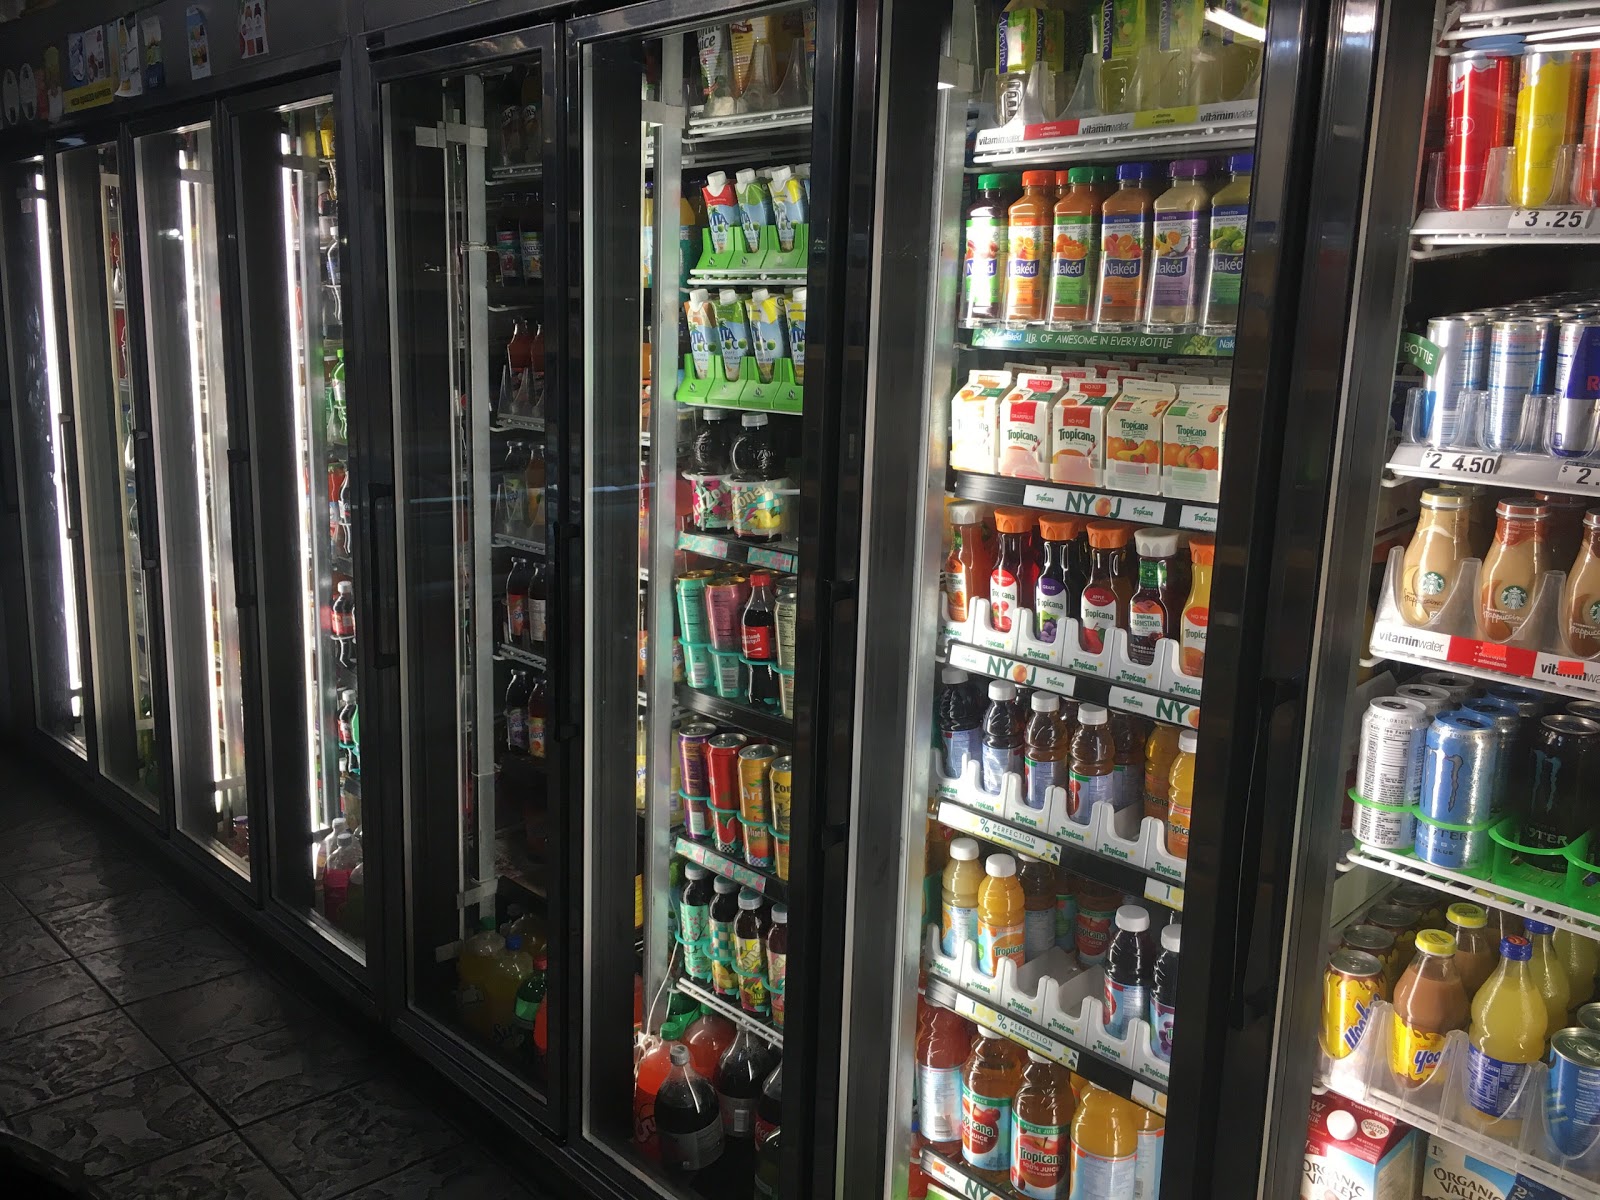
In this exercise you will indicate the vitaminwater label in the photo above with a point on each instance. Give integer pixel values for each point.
(1147, 1169)
(987, 248)
(1072, 267)
(1025, 261)
(1414, 1053)
(1038, 1159)
(985, 1130)
(1038, 931)
(1099, 614)
(1124, 1001)
(1095, 1177)
(996, 942)
(959, 925)
(1228, 225)
(961, 746)
(1085, 791)
(1122, 266)
(1041, 776)
(997, 760)
(1492, 1085)
(1161, 1021)
(1176, 283)
(1066, 921)
(537, 626)
(939, 1102)
(1002, 598)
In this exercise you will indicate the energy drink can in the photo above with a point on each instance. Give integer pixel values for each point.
(1572, 1106)
(693, 771)
(1461, 759)
(1516, 350)
(1569, 337)
(1434, 700)
(1389, 757)
(1457, 685)
(1461, 342)
(1351, 989)
(1508, 725)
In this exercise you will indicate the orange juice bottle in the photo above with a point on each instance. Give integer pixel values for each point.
(1196, 609)
(1160, 748)
(1075, 249)
(1105, 1145)
(1152, 1141)
(1002, 914)
(1124, 249)
(989, 1084)
(1180, 779)
(1028, 229)
(1509, 1023)
(473, 967)
(962, 878)
(1041, 1124)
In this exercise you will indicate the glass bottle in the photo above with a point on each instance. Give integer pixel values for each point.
(1580, 596)
(966, 568)
(1016, 570)
(1104, 603)
(1516, 562)
(1434, 555)
(1150, 607)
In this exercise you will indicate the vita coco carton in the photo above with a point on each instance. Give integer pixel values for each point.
(1133, 436)
(1078, 433)
(1025, 426)
(1356, 1153)
(1192, 430)
(1453, 1174)
(975, 422)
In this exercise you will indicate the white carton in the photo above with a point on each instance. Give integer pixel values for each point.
(975, 422)
(1133, 437)
(1353, 1151)
(1192, 433)
(1078, 437)
(1025, 444)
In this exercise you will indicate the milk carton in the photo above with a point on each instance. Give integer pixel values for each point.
(1453, 1174)
(1078, 434)
(1134, 434)
(1025, 426)
(975, 422)
(1356, 1153)
(1192, 432)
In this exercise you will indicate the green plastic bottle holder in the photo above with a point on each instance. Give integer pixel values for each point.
(783, 393)
(769, 254)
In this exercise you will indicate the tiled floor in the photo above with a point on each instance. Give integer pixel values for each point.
(139, 1041)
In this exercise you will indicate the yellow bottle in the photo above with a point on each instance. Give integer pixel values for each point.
(1196, 617)
(1180, 791)
(1549, 974)
(478, 956)
(1105, 1145)
(1152, 1134)
(1581, 957)
(1002, 913)
(959, 891)
(510, 968)
(1160, 748)
(1509, 1024)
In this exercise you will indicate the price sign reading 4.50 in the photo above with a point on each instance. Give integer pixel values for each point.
(1467, 464)
(1558, 220)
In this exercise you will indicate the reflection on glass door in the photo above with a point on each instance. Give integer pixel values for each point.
(109, 428)
(182, 298)
(43, 452)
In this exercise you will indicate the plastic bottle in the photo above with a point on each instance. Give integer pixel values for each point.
(1549, 974)
(967, 568)
(1509, 1024)
(1097, 910)
(743, 1068)
(1477, 949)
(1151, 614)
(1127, 735)
(750, 951)
(688, 1118)
(529, 1008)
(708, 1038)
(1105, 1146)
(959, 893)
(959, 716)
(1160, 748)
(1066, 911)
(649, 1072)
(1001, 914)
(1041, 1127)
(1075, 249)
(989, 1083)
(1119, 35)
(1164, 992)
(694, 922)
(1180, 792)
(1016, 569)
(724, 914)
(1029, 222)
(1106, 595)
(1127, 984)
(1002, 737)
(1045, 762)
(983, 290)
(1063, 572)
(769, 1108)
(944, 1040)
(1581, 957)
(777, 950)
(478, 955)
(1180, 226)
(1038, 882)
(1230, 223)
(1152, 1134)
(1124, 250)
(1196, 609)
(510, 968)
(1092, 777)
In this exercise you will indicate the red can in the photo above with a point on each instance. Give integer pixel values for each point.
(722, 769)
(1588, 189)
(1480, 115)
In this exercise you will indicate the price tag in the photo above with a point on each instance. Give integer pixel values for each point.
(1045, 497)
(1466, 464)
(1567, 220)
(1577, 476)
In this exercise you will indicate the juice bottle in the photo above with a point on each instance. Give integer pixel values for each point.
(944, 1040)
(1128, 964)
(1160, 748)
(473, 968)
(1180, 791)
(1044, 764)
(1196, 609)
(1429, 1001)
(1038, 882)
(1164, 992)
(1151, 614)
(1581, 957)
(1180, 226)
(1513, 567)
(1063, 572)
(1028, 249)
(1002, 737)
(1097, 909)
(1105, 1146)
(1434, 554)
(1001, 914)
(1152, 1135)
(983, 282)
(1093, 764)
(1119, 34)
(1128, 735)
(1075, 249)
(959, 893)
(960, 721)
(511, 966)
(1011, 582)
(1230, 223)
(1105, 597)
(1580, 596)
(1124, 250)
(708, 1039)
(1476, 952)
(989, 1083)
(1549, 974)
(1547, 114)
(966, 569)
(1509, 1024)
(1041, 1126)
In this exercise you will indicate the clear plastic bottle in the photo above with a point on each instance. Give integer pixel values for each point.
(1045, 761)
(1164, 992)
(1093, 764)
(1230, 224)
(1180, 226)
(1002, 736)
(1549, 974)
(1038, 880)
(688, 1118)
(1128, 964)
(959, 715)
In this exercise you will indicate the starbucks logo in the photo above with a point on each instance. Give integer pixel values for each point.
(1432, 583)
(1594, 613)
(1513, 597)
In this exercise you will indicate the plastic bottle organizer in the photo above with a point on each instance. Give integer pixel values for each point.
(1121, 834)
(725, 834)
(726, 673)
(1568, 186)
(1113, 663)
(1526, 1139)
(725, 957)
(1549, 430)
(1052, 993)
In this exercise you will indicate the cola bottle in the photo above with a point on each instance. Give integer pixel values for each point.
(688, 1118)
(342, 624)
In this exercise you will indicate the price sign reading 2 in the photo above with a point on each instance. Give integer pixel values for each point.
(1466, 464)
(1574, 475)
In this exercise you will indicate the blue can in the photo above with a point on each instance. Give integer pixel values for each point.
(1460, 768)
(1455, 847)
(1572, 1101)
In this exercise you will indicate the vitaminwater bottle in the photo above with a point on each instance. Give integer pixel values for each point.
(1105, 1146)
(1509, 1024)
(1002, 737)
(1549, 975)
(1119, 37)
(1159, 750)
(1127, 970)
(1045, 762)
(989, 1084)
(1093, 763)
(1180, 793)
(1041, 1126)
(960, 721)
(1164, 992)
(1038, 882)
(944, 1040)
(1002, 912)
(959, 891)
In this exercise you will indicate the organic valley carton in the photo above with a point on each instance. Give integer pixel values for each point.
(1356, 1153)
(1453, 1174)
(1133, 436)
(1192, 432)
(1078, 433)
(975, 422)
(1025, 426)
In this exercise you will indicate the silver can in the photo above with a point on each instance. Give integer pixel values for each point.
(1569, 336)
(1571, 422)
(1389, 756)
(787, 614)
(1457, 685)
(1516, 347)
(1460, 763)
(1508, 726)
(1462, 342)
(1434, 699)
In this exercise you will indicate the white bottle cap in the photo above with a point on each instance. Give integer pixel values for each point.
(716, 181)
(727, 296)
(781, 175)
(1172, 937)
(1045, 702)
(1000, 866)
(1038, 1058)
(716, 414)
(1092, 714)
(780, 914)
(1189, 741)
(699, 296)
(964, 849)
(759, 295)
(999, 689)
(1026, 857)
(952, 675)
(798, 294)
(745, 177)
(964, 514)
(1155, 542)
(1133, 918)
(752, 420)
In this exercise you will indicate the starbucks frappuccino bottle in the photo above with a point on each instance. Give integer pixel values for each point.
(1517, 560)
(1433, 559)
(1580, 598)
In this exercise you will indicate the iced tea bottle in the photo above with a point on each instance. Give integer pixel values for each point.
(966, 569)
(989, 1084)
(1029, 222)
(1093, 762)
(1002, 737)
(1041, 1129)
(1125, 250)
(1075, 250)
(1044, 764)
(1016, 570)
(1105, 598)
(1159, 750)
(1038, 880)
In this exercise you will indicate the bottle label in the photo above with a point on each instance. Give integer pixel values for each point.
(1085, 791)
(1147, 1171)
(955, 595)
(1124, 1001)
(533, 255)
(536, 737)
(996, 942)
(694, 922)
(939, 1102)
(694, 1150)
(1492, 1085)
(987, 247)
(1161, 1021)
(961, 746)
(1178, 818)
(1228, 225)
(536, 620)
(1038, 1159)
(342, 624)
(1066, 921)
(1041, 776)
(985, 1129)
(1093, 936)
(505, 242)
(1414, 1053)
(1072, 266)
(758, 642)
(739, 1116)
(1129, 786)
(960, 925)
(1099, 615)
(1176, 283)
(1038, 931)
(1145, 626)
(1193, 631)
(1122, 265)
(1095, 1177)
(1025, 259)
(1052, 607)
(516, 618)
(517, 728)
(997, 761)
(1002, 599)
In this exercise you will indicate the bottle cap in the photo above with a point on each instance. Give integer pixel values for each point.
(760, 579)
(991, 183)
(716, 180)
(1062, 529)
(952, 675)
(1533, 928)
(1436, 942)
(780, 175)
(780, 914)
(345, 587)
(1516, 947)
(1341, 1125)
(699, 296)
(1189, 740)
(745, 177)
(725, 886)
(759, 294)
(1189, 168)
(964, 514)
(679, 1055)
(1043, 701)
(1445, 497)
(1133, 171)
(1039, 1058)
(798, 295)
(1092, 714)
(1133, 918)
(1014, 520)
(513, 941)
(1064, 179)
(1466, 916)
(964, 849)
(1038, 179)
(1522, 508)
(1172, 937)
(486, 923)
(1155, 542)
(1080, 175)
(752, 420)
(1000, 866)
(749, 899)
(1201, 548)
(1241, 164)
(728, 296)
(696, 871)
(999, 689)
(1109, 535)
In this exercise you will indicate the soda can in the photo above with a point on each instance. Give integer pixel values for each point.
(1480, 114)
(755, 808)
(722, 769)
(1588, 1015)
(726, 596)
(1434, 699)
(1569, 336)
(782, 776)
(1571, 422)
(1389, 758)
(1459, 686)
(1460, 368)
(1585, 708)
(693, 773)
(1508, 725)
(786, 616)
(1547, 109)
(725, 831)
(1516, 347)
(1460, 759)
(1351, 989)
(1369, 939)
(1572, 1105)
(692, 621)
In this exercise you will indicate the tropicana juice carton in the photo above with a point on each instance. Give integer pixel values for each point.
(1134, 436)
(1356, 1151)
(1025, 426)
(1078, 433)
(1192, 430)
(975, 422)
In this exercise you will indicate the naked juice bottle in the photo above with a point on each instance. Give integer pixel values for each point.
(1124, 250)
(1016, 569)
(1028, 229)
(983, 283)
(1074, 253)
(1110, 587)
(1580, 597)
(1180, 226)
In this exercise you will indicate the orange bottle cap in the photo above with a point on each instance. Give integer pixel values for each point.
(1062, 529)
(1038, 179)
(1201, 548)
(1063, 179)
(1109, 535)
(1014, 520)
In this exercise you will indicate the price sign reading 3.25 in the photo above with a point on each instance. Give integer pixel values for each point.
(1560, 220)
